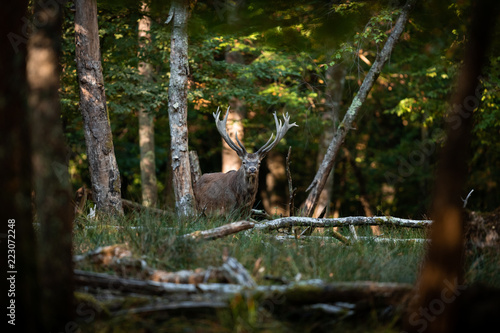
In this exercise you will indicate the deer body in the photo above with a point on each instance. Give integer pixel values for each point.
(235, 190)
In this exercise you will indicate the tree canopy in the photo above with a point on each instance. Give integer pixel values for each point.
(285, 49)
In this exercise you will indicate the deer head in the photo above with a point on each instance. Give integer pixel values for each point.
(236, 189)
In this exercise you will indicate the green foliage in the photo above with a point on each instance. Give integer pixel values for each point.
(277, 58)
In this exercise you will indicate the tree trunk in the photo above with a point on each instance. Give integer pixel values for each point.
(230, 160)
(363, 196)
(273, 194)
(335, 79)
(326, 166)
(442, 271)
(16, 178)
(54, 209)
(146, 123)
(104, 173)
(177, 108)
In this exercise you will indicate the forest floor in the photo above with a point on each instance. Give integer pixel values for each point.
(146, 246)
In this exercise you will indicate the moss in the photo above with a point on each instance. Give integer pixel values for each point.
(89, 308)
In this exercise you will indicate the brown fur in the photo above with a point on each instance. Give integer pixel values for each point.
(236, 190)
(226, 192)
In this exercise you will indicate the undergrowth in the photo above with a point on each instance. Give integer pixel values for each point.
(159, 241)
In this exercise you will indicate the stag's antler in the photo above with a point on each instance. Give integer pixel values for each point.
(221, 127)
(281, 129)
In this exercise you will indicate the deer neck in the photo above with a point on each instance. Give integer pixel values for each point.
(250, 182)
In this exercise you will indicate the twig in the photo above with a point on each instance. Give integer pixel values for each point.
(353, 232)
(291, 190)
(467, 198)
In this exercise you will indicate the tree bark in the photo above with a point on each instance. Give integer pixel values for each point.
(177, 108)
(335, 79)
(146, 122)
(104, 173)
(319, 181)
(442, 271)
(16, 216)
(54, 209)
(194, 163)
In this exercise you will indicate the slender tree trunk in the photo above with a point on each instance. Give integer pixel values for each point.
(319, 181)
(335, 79)
(146, 123)
(442, 271)
(177, 108)
(104, 173)
(341, 188)
(16, 216)
(272, 194)
(230, 160)
(54, 209)
(363, 196)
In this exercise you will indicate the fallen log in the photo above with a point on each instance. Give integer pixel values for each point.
(221, 231)
(296, 221)
(299, 293)
(120, 259)
(194, 306)
(368, 239)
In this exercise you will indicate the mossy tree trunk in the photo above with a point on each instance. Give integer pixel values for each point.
(177, 108)
(146, 122)
(326, 166)
(54, 209)
(104, 173)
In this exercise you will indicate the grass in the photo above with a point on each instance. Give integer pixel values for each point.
(158, 241)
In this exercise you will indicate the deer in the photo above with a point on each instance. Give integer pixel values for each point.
(236, 190)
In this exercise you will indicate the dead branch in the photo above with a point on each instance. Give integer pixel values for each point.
(291, 190)
(236, 273)
(189, 276)
(287, 222)
(221, 231)
(368, 239)
(195, 306)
